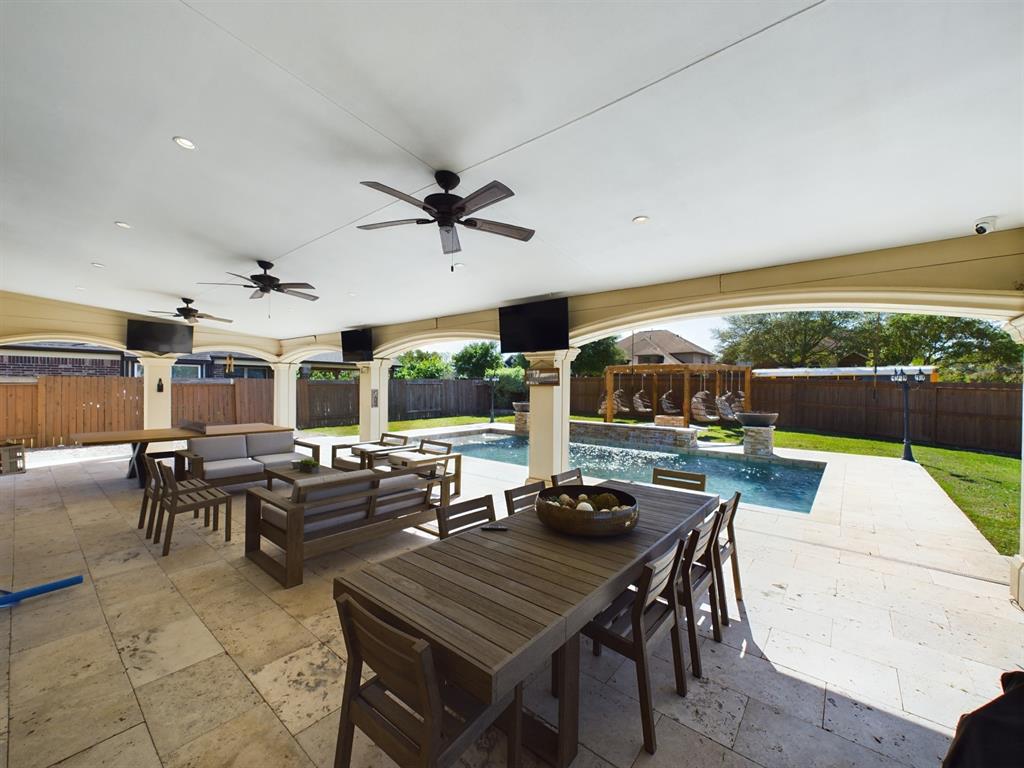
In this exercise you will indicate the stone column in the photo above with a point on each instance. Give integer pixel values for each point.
(373, 398)
(759, 441)
(549, 416)
(1016, 329)
(285, 392)
(156, 406)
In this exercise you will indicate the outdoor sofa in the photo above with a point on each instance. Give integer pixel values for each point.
(327, 512)
(239, 458)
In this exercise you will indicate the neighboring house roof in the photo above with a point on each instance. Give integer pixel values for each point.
(660, 342)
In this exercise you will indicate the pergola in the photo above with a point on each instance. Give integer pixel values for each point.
(685, 371)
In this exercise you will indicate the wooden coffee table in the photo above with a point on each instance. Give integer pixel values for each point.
(289, 475)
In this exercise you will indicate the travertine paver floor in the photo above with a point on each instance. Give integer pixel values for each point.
(864, 633)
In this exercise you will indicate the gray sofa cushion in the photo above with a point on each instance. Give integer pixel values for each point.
(217, 448)
(280, 459)
(214, 470)
(265, 443)
(279, 519)
(398, 483)
(356, 481)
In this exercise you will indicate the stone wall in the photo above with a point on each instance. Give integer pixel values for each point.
(759, 441)
(522, 422)
(634, 435)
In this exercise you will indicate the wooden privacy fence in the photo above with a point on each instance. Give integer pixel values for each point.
(46, 412)
(223, 401)
(333, 403)
(984, 417)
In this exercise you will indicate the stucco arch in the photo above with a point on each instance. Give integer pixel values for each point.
(242, 348)
(397, 346)
(77, 338)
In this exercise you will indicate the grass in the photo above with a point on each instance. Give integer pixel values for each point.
(985, 486)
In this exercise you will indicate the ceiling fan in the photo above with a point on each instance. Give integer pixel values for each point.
(265, 283)
(190, 314)
(446, 210)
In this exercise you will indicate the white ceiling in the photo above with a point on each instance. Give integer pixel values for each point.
(752, 134)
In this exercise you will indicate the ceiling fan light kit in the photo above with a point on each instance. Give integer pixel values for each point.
(448, 210)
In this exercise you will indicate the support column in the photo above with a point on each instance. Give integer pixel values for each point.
(373, 398)
(549, 416)
(1016, 329)
(156, 406)
(285, 390)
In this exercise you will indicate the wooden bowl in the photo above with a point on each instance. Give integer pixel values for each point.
(584, 523)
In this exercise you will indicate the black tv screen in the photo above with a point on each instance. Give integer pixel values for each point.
(357, 346)
(145, 336)
(535, 327)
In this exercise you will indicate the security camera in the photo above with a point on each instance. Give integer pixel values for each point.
(985, 225)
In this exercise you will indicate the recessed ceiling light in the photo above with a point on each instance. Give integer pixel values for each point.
(351, 293)
(122, 224)
(184, 143)
(98, 265)
(459, 265)
(79, 288)
(641, 219)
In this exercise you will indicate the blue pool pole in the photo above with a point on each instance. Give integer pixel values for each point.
(12, 598)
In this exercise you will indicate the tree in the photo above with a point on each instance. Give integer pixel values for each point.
(420, 364)
(597, 355)
(786, 339)
(510, 385)
(474, 360)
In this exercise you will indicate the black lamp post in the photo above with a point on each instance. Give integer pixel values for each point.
(492, 380)
(900, 376)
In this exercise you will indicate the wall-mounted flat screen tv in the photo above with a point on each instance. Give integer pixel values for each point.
(535, 327)
(357, 346)
(161, 338)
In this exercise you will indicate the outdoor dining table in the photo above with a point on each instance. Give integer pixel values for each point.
(495, 605)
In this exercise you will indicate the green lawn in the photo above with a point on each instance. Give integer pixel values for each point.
(985, 486)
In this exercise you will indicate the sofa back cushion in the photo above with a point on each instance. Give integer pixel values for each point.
(308, 489)
(264, 443)
(218, 448)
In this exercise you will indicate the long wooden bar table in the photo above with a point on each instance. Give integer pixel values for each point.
(496, 605)
(141, 438)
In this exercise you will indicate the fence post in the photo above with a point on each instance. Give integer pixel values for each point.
(40, 412)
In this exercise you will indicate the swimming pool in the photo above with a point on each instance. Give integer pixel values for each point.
(770, 484)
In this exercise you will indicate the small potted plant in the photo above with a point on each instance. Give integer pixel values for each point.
(309, 466)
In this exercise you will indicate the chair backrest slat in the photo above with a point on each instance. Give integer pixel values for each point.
(729, 516)
(435, 446)
(523, 497)
(696, 549)
(569, 477)
(657, 575)
(154, 481)
(390, 438)
(167, 477)
(456, 518)
(676, 478)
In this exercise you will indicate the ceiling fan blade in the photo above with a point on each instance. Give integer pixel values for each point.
(382, 224)
(191, 320)
(488, 194)
(247, 278)
(204, 316)
(450, 240)
(499, 228)
(301, 295)
(400, 195)
(288, 286)
(240, 285)
(257, 294)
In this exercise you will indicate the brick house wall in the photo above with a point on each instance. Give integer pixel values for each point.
(34, 365)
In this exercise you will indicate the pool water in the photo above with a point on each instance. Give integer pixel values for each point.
(770, 484)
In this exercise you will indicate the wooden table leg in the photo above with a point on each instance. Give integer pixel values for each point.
(559, 748)
(136, 464)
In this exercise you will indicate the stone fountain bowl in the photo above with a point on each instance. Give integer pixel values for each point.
(756, 418)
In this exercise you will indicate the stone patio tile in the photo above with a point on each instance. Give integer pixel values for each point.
(129, 749)
(257, 640)
(889, 730)
(303, 686)
(935, 700)
(49, 667)
(795, 692)
(160, 650)
(254, 738)
(145, 611)
(892, 600)
(186, 704)
(131, 584)
(773, 739)
(50, 617)
(327, 627)
(676, 741)
(63, 722)
(313, 596)
(992, 650)
(971, 586)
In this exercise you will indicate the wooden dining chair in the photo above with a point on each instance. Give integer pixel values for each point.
(523, 497)
(456, 518)
(154, 492)
(676, 478)
(697, 578)
(404, 708)
(726, 550)
(569, 477)
(636, 620)
(177, 500)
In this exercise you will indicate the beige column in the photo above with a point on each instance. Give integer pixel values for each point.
(549, 416)
(373, 398)
(285, 387)
(1016, 329)
(156, 405)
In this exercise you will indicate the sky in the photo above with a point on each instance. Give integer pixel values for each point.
(697, 329)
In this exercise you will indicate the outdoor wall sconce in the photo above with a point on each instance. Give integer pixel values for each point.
(159, 385)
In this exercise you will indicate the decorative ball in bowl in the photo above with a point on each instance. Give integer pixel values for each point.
(587, 510)
(756, 418)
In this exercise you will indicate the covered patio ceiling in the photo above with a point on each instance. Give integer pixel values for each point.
(751, 134)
